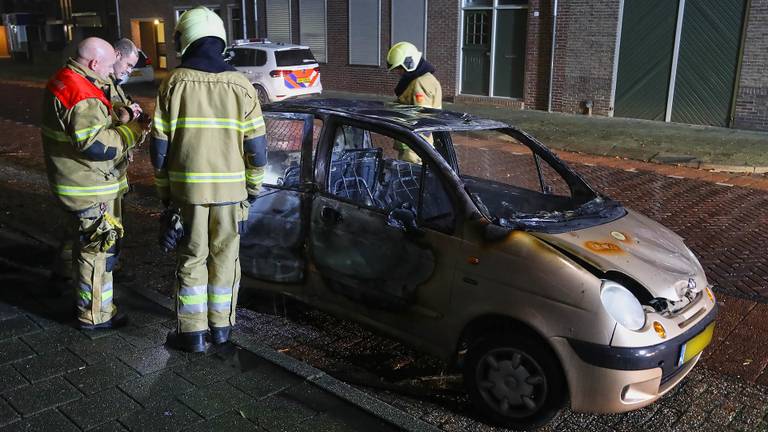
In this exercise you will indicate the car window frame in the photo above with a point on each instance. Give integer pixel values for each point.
(306, 170)
(323, 156)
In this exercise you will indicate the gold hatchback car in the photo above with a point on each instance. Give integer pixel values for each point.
(488, 252)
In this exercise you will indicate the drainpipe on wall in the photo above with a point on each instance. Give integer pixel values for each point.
(117, 13)
(255, 18)
(243, 16)
(552, 55)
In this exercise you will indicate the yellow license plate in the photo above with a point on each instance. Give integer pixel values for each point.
(695, 346)
(303, 80)
(136, 73)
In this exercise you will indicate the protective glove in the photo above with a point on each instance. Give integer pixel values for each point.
(171, 230)
(251, 198)
(104, 234)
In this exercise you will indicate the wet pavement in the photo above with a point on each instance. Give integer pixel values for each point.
(723, 223)
(54, 377)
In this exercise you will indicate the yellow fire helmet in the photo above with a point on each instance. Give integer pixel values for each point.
(198, 23)
(403, 54)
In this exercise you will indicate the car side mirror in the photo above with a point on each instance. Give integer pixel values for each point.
(403, 218)
(494, 233)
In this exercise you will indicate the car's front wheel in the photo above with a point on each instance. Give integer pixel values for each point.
(262, 95)
(514, 382)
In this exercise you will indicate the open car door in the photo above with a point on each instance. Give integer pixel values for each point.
(272, 247)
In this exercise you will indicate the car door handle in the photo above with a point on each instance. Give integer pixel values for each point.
(330, 216)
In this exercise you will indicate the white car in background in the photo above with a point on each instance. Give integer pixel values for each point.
(143, 72)
(278, 71)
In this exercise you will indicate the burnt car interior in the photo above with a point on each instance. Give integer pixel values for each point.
(365, 169)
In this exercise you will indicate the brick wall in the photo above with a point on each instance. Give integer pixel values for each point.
(538, 47)
(442, 37)
(752, 97)
(584, 52)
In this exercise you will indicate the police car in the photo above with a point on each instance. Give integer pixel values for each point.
(277, 70)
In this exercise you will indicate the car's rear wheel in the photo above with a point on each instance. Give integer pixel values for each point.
(512, 382)
(262, 95)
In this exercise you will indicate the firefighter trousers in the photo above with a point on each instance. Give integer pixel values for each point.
(208, 268)
(93, 267)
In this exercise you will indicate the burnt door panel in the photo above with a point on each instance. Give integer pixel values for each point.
(272, 246)
(364, 258)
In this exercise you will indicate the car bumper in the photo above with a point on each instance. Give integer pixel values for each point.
(318, 89)
(605, 379)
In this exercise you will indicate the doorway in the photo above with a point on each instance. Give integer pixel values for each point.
(149, 36)
(494, 36)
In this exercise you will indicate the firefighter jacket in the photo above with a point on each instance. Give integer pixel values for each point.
(208, 143)
(82, 145)
(118, 97)
(423, 91)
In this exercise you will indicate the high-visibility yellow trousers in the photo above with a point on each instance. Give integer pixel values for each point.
(93, 268)
(208, 268)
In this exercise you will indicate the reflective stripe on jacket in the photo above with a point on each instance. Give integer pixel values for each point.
(208, 144)
(81, 142)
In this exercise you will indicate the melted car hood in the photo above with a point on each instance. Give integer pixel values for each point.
(639, 247)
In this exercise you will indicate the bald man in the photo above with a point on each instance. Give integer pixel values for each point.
(82, 145)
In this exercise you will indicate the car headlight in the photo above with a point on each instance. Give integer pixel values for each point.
(622, 305)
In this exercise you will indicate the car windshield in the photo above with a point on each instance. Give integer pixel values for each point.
(294, 57)
(518, 187)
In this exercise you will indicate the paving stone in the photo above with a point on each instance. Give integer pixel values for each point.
(94, 351)
(48, 421)
(14, 349)
(48, 365)
(17, 326)
(207, 370)
(99, 408)
(231, 421)
(150, 388)
(265, 380)
(215, 399)
(345, 418)
(154, 359)
(42, 396)
(95, 378)
(7, 414)
(313, 397)
(168, 415)
(113, 426)
(54, 338)
(145, 337)
(278, 413)
(8, 311)
(10, 379)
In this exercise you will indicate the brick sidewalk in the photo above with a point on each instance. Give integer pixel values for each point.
(54, 377)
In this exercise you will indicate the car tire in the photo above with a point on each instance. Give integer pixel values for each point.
(514, 383)
(262, 95)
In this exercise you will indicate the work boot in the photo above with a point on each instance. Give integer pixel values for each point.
(119, 320)
(193, 342)
(220, 335)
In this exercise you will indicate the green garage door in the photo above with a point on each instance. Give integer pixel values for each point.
(709, 55)
(707, 60)
(645, 58)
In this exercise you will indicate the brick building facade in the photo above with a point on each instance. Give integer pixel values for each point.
(586, 50)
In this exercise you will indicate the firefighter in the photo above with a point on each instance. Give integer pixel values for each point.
(81, 145)
(417, 86)
(127, 58)
(124, 110)
(208, 151)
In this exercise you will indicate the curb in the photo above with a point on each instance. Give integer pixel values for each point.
(338, 388)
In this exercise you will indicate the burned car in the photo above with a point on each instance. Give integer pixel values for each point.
(489, 253)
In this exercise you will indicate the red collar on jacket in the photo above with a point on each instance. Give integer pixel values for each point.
(70, 87)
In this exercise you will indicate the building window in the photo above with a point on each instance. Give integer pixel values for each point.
(364, 31)
(312, 23)
(235, 23)
(409, 19)
(279, 20)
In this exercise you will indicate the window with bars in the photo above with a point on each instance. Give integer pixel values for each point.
(476, 28)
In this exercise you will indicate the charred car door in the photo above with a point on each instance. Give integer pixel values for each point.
(272, 246)
(375, 231)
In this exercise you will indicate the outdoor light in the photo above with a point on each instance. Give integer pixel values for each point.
(622, 305)
(157, 22)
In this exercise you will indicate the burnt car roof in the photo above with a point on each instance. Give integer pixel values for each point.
(409, 116)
